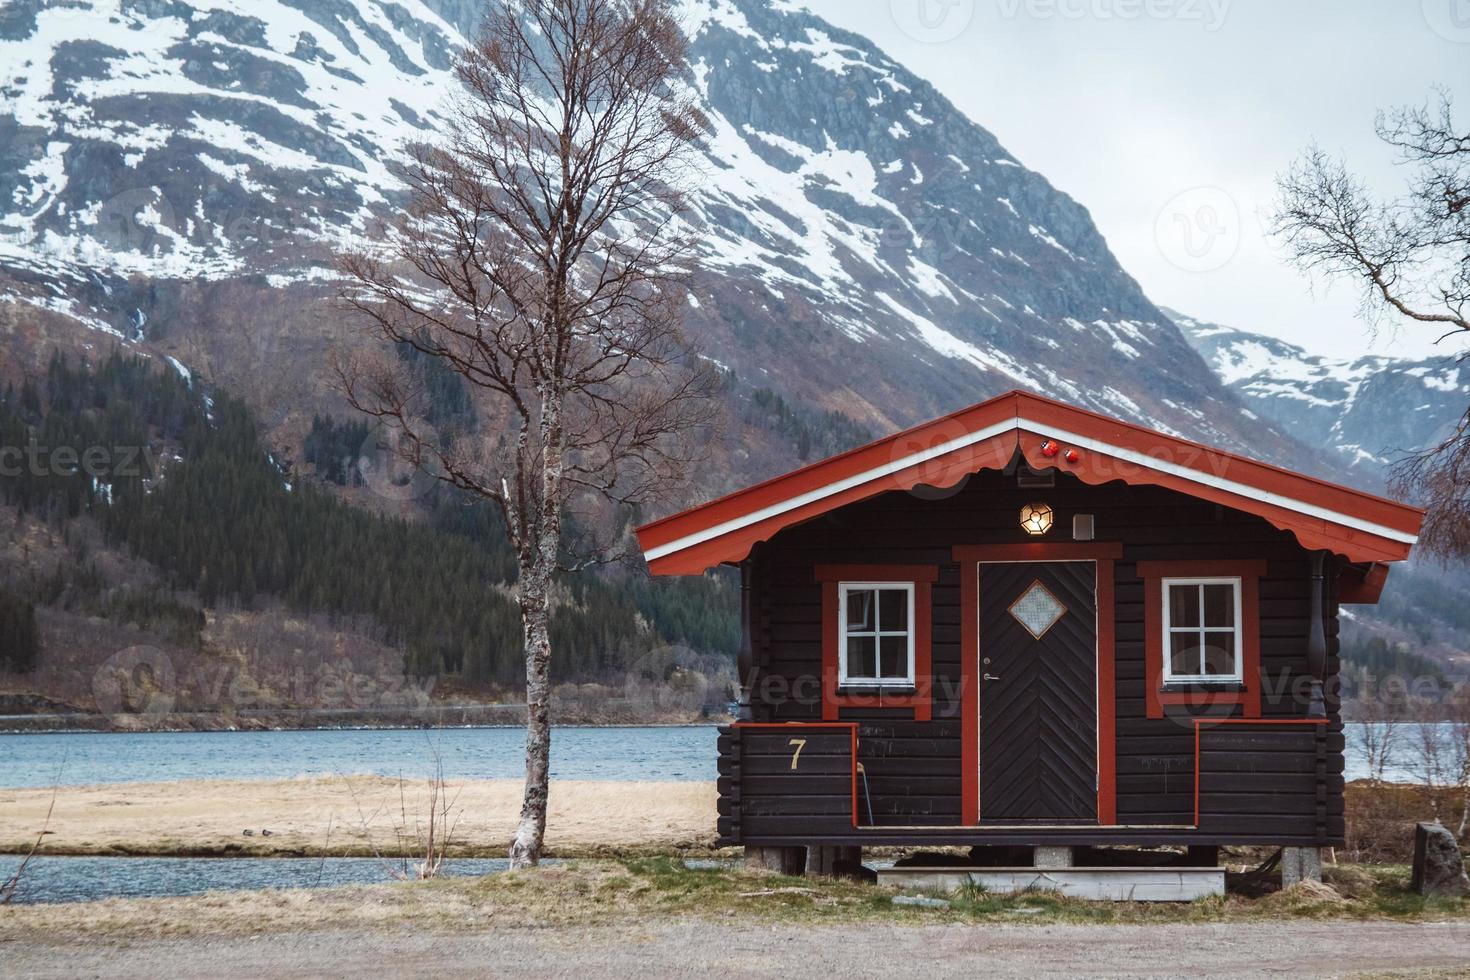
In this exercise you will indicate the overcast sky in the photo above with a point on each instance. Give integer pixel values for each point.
(1156, 114)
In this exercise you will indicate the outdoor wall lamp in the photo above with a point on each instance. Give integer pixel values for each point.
(1036, 518)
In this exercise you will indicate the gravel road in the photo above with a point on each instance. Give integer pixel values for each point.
(696, 948)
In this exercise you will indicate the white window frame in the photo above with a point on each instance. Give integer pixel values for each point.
(843, 680)
(1169, 630)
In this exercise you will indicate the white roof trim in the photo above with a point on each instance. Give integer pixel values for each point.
(857, 480)
(980, 435)
(1220, 483)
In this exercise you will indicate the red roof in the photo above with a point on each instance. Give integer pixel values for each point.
(1359, 526)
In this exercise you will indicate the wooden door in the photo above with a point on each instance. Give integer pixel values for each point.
(1038, 692)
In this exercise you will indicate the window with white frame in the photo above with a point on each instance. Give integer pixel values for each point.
(1202, 634)
(877, 638)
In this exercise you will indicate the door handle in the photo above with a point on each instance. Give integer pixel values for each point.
(991, 677)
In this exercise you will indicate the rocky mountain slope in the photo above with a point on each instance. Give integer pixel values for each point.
(178, 172)
(175, 176)
(1368, 410)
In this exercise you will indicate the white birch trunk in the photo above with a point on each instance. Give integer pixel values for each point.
(535, 602)
(525, 850)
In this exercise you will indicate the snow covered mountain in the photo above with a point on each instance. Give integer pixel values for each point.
(1369, 410)
(179, 172)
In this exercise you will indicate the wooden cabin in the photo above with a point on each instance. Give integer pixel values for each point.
(1027, 624)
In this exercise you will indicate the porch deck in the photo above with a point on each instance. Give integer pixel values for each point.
(1101, 884)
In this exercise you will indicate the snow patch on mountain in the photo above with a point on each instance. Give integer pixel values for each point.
(862, 245)
(246, 89)
(1369, 410)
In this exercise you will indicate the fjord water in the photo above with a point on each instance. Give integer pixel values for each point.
(31, 760)
(672, 753)
(84, 758)
(88, 879)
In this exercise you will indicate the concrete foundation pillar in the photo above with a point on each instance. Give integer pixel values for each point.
(833, 861)
(1299, 864)
(1052, 857)
(781, 860)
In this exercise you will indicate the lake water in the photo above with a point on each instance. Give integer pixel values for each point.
(676, 753)
(655, 753)
(86, 879)
(663, 753)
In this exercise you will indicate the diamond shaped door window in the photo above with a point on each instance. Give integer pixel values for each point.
(1037, 609)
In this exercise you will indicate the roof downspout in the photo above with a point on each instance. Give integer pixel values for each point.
(1317, 640)
(745, 658)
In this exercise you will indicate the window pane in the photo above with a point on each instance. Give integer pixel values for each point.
(1219, 653)
(896, 656)
(862, 656)
(893, 610)
(860, 610)
(1219, 605)
(1184, 654)
(1184, 605)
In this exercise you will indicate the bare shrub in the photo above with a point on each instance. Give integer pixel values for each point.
(1377, 731)
(1458, 752)
(1428, 755)
(11, 885)
(422, 838)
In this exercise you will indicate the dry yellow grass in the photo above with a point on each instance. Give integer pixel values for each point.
(357, 815)
(640, 892)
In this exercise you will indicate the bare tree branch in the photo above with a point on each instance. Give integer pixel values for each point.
(1411, 259)
(541, 260)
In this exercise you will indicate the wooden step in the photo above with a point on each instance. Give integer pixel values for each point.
(1099, 884)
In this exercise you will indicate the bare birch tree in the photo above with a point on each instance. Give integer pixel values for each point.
(1376, 731)
(541, 260)
(1428, 753)
(1458, 739)
(1411, 259)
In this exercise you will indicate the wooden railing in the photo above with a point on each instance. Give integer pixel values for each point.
(1250, 770)
(784, 780)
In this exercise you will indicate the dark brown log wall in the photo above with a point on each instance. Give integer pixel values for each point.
(913, 769)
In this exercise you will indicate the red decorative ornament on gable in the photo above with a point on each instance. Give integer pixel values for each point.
(1071, 455)
(1049, 448)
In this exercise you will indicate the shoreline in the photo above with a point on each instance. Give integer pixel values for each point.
(348, 728)
(72, 724)
(352, 816)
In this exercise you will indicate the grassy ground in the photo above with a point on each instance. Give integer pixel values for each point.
(363, 815)
(1381, 818)
(646, 890)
